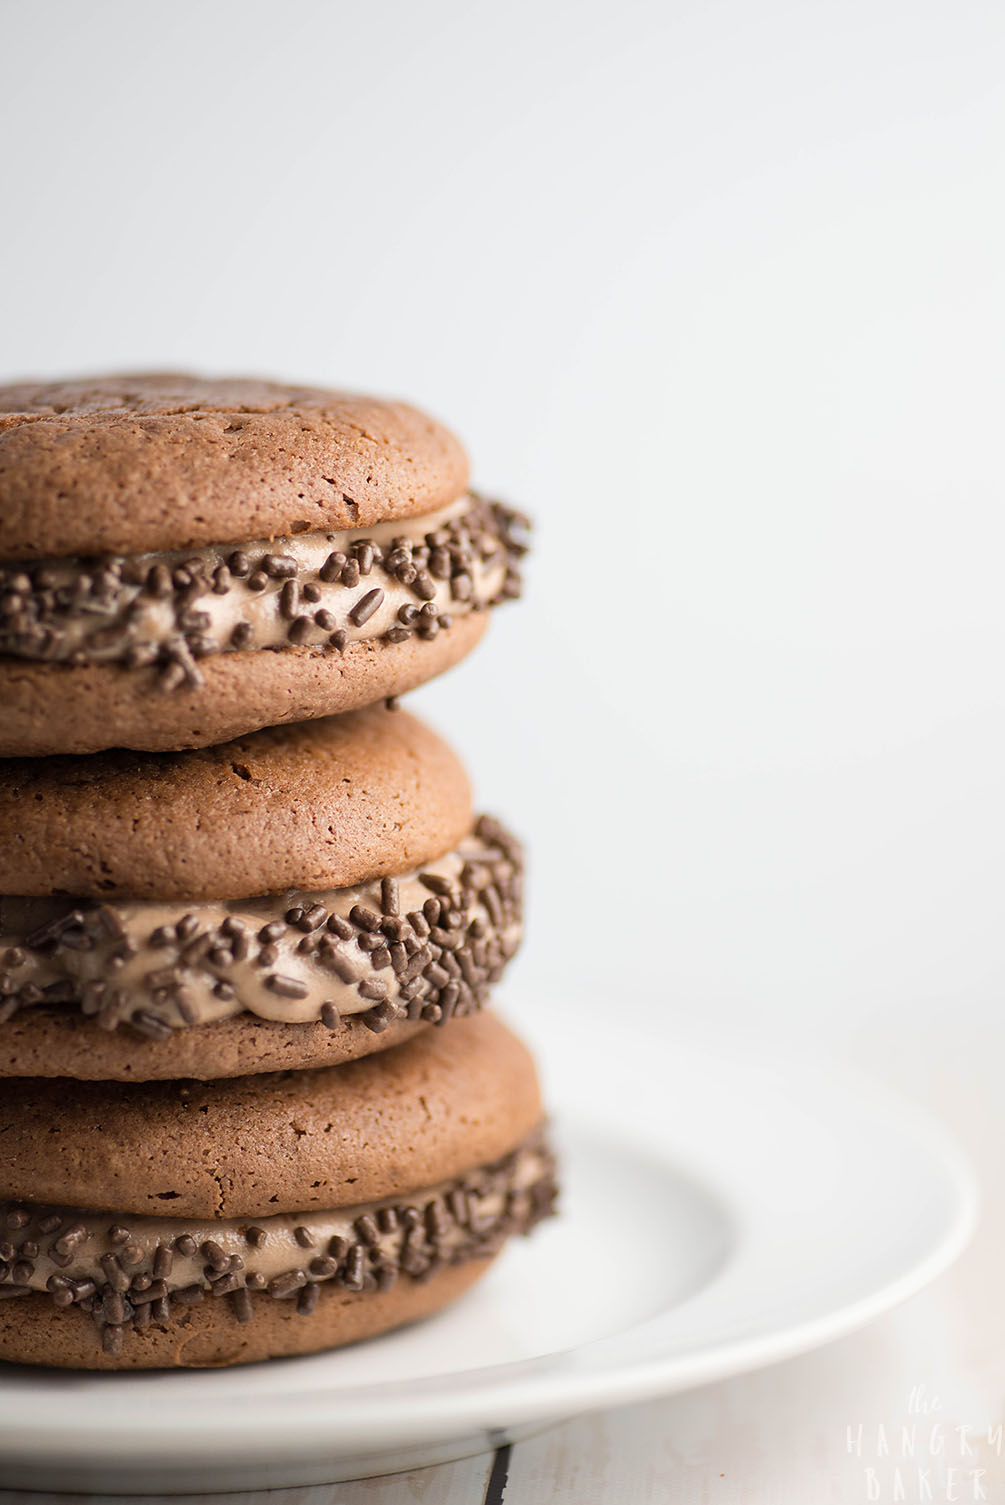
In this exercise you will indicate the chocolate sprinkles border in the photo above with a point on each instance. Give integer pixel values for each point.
(427, 1234)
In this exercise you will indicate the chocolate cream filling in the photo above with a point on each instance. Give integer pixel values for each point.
(424, 945)
(318, 590)
(129, 1271)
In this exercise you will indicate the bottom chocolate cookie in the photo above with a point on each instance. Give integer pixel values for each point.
(212, 1336)
(189, 1224)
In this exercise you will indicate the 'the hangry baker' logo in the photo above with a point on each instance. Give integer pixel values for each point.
(924, 1457)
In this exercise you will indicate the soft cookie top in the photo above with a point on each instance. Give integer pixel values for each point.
(128, 463)
(322, 805)
(441, 1104)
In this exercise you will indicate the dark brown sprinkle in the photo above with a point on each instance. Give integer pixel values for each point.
(338, 963)
(332, 568)
(239, 564)
(258, 580)
(279, 566)
(380, 958)
(21, 1271)
(50, 1223)
(355, 1268)
(436, 883)
(111, 1339)
(162, 977)
(340, 926)
(350, 575)
(389, 896)
(110, 921)
(256, 1281)
(159, 582)
(289, 600)
(70, 1238)
(224, 1285)
(242, 1304)
(396, 635)
(366, 606)
(407, 614)
(304, 1237)
(274, 931)
(285, 1285)
(373, 988)
(366, 1229)
(114, 1273)
(150, 1025)
(337, 1246)
(365, 553)
(379, 1018)
(154, 1290)
(286, 987)
(54, 930)
(113, 1307)
(17, 1217)
(187, 926)
(324, 1267)
(364, 918)
(163, 1261)
(255, 1236)
(300, 631)
(330, 1016)
(214, 1255)
(242, 635)
(326, 620)
(339, 639)
(185, 1245)
(419, 923)
(416, 964)
(308, 1299)
(424, 586)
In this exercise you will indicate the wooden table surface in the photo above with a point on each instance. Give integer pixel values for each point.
(823, 1429)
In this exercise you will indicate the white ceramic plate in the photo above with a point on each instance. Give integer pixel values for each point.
(718, 1215)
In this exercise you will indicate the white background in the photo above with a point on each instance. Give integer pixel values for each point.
(716, 291)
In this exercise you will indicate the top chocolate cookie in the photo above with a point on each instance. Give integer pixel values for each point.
(186, 560)
(127, 464)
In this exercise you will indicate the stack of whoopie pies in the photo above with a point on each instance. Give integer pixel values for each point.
(251, 1102)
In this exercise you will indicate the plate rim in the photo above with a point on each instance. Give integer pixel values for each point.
(546, 1388)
